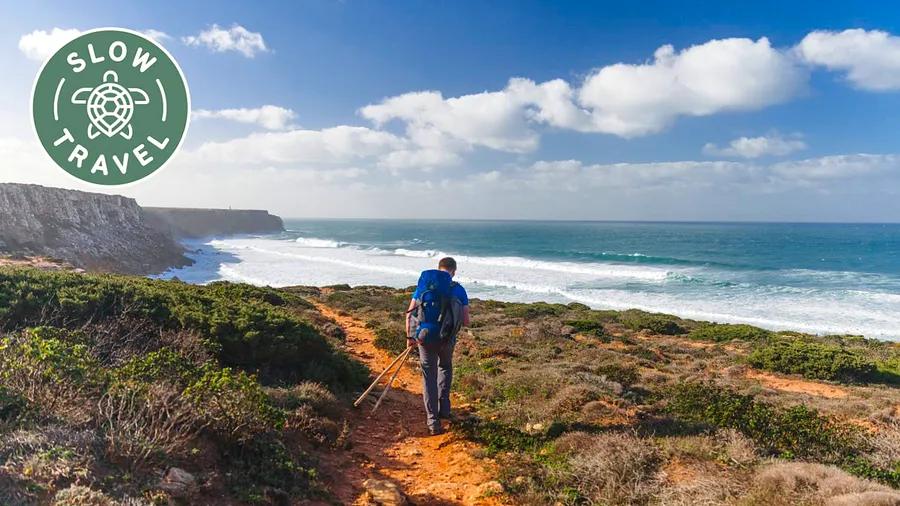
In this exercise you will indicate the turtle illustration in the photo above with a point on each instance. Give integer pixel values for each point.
(110, 106)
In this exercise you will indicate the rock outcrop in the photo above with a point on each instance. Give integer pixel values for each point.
(195, 223)
(89, 230)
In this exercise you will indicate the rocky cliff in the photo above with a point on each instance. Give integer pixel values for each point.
(194, 223)
(89, 230)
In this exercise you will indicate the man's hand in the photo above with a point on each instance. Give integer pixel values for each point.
(411, 342)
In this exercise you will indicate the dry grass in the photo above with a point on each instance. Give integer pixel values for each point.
(78, 495)
(54, 456)
(802, 483)
(613, 468)
(145, 426)
(707, 490)
(885, 444)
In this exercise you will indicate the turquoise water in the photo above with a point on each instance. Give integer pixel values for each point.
(842, 278)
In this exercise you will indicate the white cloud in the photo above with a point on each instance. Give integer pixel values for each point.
(237, 38)
(755, 147)
(870, 59)
(621, 99)
(336, 172)
(41, 44)
(719, 75)
(858, 166)
(157, 35)
(339, 145)
(418, 159)
(492, 119)
(271, 117)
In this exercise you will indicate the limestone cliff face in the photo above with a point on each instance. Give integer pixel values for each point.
(195, 223)
(89, 230)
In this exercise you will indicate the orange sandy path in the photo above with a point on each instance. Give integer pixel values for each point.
(394, 442)
(797, 385)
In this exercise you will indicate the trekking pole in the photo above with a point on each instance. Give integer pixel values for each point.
(388, 368)
(391, 381)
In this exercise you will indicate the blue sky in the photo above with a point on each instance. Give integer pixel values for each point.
(759, 111)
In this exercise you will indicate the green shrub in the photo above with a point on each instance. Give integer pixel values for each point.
(264, 463)
(534, 310)
(232, 404)
(722, 332)
(162, 365)
(56, 376)
(371, 298)
(239, 323)
(796, 431)
(624, 374)
(305, 394)
(496, 437)
(887, 371)
(244, 292)
(657, 323)
(346, 300)
(865, 469)
(811, 359)
(592, 327)
(11, 406)
(390, 338)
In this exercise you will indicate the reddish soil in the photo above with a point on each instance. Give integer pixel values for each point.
(393, 443)
(797, 385)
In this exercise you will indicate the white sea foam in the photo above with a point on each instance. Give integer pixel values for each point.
(592, 269)
(693, 292)
(312, 242)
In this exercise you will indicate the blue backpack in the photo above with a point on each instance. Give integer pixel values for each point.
(435, 315)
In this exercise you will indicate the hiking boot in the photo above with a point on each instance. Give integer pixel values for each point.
(436, 431)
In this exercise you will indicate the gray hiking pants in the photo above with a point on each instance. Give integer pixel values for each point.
(437, 375)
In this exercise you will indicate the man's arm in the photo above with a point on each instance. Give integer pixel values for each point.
(465, 316)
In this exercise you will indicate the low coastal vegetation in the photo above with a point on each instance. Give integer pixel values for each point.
(137, 391)
(581, 406)
(124, 390)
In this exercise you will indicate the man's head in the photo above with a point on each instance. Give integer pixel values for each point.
(448, 264)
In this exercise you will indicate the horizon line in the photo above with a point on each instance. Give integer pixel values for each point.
(581, 220)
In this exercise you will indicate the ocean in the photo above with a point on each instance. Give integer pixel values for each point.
(818, 278)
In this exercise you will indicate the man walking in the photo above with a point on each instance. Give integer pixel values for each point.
(438, 309)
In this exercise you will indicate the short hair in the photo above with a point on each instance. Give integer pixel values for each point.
(447, 263)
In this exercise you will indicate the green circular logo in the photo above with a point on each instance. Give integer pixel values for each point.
(111, 107)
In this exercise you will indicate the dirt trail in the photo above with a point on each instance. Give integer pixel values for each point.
(394, 442)
(797, 385)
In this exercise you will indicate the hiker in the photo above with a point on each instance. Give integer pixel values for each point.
(438, 310)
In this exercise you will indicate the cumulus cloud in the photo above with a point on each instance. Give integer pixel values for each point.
(492, 119)
(755, 147)
(719, 75)
(237, 38)
(270, 117)
(869, 59)
(621, 99)
(41, 44)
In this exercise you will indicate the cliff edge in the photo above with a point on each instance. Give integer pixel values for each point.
(186, 223)
(89, 230)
